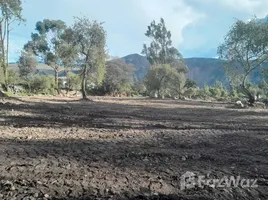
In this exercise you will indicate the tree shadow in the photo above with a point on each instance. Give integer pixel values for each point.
(122, 164)
(167, 115)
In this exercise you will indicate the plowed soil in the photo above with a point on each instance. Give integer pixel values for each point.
(111, 148)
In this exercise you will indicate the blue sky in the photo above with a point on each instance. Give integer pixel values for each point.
(197, 26)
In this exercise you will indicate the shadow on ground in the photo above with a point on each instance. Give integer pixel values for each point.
(130, 151)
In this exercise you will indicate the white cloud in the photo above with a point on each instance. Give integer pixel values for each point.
(197, 26)
(254, 7)
(176, 13)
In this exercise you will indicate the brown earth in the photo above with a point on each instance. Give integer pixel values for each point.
(113, 148)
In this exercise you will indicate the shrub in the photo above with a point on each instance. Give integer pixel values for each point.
(43, 85)
(73, 81)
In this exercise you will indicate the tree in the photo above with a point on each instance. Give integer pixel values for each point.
(176, 83)
(46, 44)
(27, 65)
(13, 78)
(43, 85)
(164, 80)
(68, 52)
(161, 54)
(245, 49)
(190, 83)
(190, 88)
(90, 39)
(118, 77)
(10, 13)
(161, 50)
(73, 81)
(218, 90)
(204, 93)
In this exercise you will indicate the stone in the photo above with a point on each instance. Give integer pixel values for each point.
(239, 104)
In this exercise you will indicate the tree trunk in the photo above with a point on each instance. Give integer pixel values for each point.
(57, 79)
(3, 61)
(3, 56)
(5, 75)
(251, 98)
(8, 36)
(29, 86)
(83, 84)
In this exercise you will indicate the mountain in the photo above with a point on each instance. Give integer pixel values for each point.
(205, 70)
(202, 70)
(140, 63)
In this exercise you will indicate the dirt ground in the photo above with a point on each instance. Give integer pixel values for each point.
(111, 148)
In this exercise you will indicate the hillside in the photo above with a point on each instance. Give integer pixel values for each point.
(205, 70)
(42, 69)
(140, 63)
(202, 70)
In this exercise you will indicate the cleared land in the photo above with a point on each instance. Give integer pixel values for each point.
(52, 148)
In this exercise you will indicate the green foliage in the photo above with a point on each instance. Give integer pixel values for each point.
(217, 91)
(161, 50)
(90, 40)
(73, 81)
(46, 43)
(10, 13)
(176, 83)
(2, 78)
(191, 92)
(139, 88)
(190, 89)
(263, 86)
(118, 78)
(98, 73)
(13, 78)
(164, 81)
(68, 51)
(27, 65)
(43, 85)
(205, 93)
(11, 9)
(245, 49)
(190, 83)
(166, 78)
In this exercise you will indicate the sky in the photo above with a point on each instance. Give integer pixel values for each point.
(197, 26)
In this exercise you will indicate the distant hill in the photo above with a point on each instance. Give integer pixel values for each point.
(42, 69)
(202, 70)
(140, 63)
(205, 70)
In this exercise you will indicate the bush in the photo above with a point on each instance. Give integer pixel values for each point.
(204, 93)
(163, 80)
(218, 92)
(118, 78)
(139, 89)
(73, 81)
(43, 85)
(191, 92)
